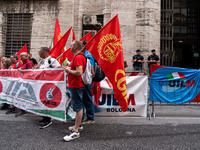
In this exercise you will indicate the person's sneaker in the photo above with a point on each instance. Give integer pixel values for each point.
(4, 106)
(20, 113)
(73, 135)
(40, 122)
(88, 121)
(71, 128)
(10, 111)
(45, 124)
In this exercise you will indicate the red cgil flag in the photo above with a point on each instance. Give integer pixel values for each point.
(23, 49)
(57, 50)
(106, 47)
(87, 37)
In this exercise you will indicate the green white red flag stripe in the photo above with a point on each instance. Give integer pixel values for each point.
(175, 75)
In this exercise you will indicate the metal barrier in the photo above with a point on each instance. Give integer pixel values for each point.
(153, 104)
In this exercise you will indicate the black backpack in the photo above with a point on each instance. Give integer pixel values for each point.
(99, 74)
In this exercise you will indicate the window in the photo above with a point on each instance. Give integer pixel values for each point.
(18, 32)
(92, 22)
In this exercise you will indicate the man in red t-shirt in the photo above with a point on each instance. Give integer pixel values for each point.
(27, 64)
(76, 87)
(15, 62)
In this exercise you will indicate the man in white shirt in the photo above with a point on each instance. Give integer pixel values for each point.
(46, 62)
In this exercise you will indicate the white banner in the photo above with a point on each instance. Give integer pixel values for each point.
(137, 98)
(42, 92)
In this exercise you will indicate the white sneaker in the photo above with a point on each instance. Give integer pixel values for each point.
(73, 135)
(72, 128)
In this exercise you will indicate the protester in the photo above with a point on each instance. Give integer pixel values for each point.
(88, 103)
(152, 59)
(3, 60)
(32, 59)
(27, 64)
(15, 63)
(46, 62)
(76, 87)
(137, 60)
(7, 64)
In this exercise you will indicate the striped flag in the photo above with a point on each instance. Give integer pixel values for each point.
(175, 75)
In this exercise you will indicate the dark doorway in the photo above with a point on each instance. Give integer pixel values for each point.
(180, 33)
(182, 55)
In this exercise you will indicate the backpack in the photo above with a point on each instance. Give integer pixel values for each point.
(87, 75)
(99, 74)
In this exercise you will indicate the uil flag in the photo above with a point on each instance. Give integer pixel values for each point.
(57, 35)
(58, 49)
(23, 49)
(87, 37)
(106, 47)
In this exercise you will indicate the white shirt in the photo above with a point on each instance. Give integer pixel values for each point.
(45, 64)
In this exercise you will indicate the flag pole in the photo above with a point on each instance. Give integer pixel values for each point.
(56, 58)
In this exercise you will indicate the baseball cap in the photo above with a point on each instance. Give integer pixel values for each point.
(138, 50)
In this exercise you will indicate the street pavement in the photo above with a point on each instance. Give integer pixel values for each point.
(174, 128)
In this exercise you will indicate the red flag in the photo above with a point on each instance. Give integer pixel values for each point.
(0, 60)
(23, 49)
(58, 49)
(106, 47)
(73, 35)
(96, 92)
(57, 35)
(68, 54)
(87, 37)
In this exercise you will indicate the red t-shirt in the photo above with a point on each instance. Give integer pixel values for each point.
(16, 65)
(76, 81)
(27, 64)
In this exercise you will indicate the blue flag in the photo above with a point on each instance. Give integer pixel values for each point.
(174, 85)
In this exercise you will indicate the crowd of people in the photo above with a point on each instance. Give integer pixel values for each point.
(81, 96)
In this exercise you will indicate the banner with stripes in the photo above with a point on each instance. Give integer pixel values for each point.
(42, 92)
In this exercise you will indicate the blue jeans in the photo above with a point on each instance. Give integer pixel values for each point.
(83, 97)
(88, 103)
(77, 98)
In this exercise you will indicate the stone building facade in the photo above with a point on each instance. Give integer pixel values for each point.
(139, 22)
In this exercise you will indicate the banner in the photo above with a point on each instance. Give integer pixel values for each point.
(136, 95)
(174, 85)
(42, 92)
